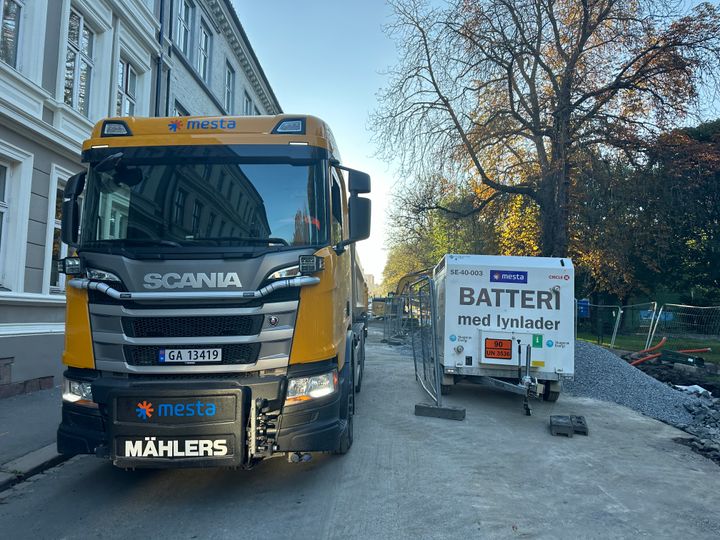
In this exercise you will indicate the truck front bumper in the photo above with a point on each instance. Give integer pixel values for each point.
(312, 426)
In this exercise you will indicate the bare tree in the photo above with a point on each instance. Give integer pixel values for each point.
(509, 92)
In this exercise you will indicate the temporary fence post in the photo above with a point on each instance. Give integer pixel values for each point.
(617, 325)
(648, 339)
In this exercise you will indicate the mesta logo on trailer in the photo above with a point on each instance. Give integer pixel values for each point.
(508, 276)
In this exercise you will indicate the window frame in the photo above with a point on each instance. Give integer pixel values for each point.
(58, 178)
(179, 207)
(4, 209)
(184, 43)
(18, 35)
(123, 92)
(197, 213)
(179, 109)
(203, 54)
(229, 88)
(80, 55)
(247, 104)
(18, 182)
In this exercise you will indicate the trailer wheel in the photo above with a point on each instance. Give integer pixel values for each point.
(551, 392)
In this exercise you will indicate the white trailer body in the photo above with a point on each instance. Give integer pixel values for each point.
(506, 318)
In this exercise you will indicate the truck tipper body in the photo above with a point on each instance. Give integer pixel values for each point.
(210, 294)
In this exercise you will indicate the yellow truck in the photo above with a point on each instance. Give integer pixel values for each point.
(210, 293)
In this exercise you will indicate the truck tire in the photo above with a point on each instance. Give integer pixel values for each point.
(346, 437)
(360, 366)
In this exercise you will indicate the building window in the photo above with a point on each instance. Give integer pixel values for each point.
(184, 24)
(127, 83)
(203, 62)
(78, 63)
(247, 105)
(210, 224)
(197, 214)
(229, 88)
(10, 31)
(180, 197)
(179, 110)
(59, 249)
(3, 204)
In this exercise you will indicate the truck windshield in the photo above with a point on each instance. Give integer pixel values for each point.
(204, 202)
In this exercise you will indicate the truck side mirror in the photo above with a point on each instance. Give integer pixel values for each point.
(359, 210)
(70, 222)
(358, 182)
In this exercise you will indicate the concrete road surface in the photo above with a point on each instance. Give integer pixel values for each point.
(498, 474)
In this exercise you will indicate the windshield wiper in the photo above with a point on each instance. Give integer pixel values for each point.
(249, 239)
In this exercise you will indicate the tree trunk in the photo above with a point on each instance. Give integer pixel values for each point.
(553, 198)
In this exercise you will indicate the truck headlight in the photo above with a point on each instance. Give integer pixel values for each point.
(288, 272)
(78, 392)
(316, 386)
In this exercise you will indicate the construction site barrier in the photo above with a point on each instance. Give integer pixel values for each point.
(422, 309)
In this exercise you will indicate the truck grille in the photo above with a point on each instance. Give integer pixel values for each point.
(149, 327)
(233, 353)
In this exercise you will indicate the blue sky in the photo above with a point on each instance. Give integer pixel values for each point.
(324, 58)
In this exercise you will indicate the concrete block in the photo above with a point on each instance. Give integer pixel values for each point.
(433, 411)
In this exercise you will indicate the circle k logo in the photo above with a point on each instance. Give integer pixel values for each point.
(563, 277)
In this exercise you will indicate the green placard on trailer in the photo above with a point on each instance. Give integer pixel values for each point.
(537, 341)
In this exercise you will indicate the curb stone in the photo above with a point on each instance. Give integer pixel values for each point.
(24, 467)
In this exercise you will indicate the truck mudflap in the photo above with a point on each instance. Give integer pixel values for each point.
(161, 426)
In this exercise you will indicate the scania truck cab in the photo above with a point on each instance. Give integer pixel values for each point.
(209, 293)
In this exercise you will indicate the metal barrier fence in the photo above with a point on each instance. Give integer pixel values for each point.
(687, 324)
(394, 321)
(423, 332)
(635, 326)
(596, 323)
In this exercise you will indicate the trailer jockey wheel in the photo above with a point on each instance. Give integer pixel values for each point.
(445, 389)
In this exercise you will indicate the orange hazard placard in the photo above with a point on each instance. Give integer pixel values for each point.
(498, 348)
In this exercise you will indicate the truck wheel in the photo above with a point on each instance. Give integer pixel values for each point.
(360, 367)
(551, 392)
(346, 438)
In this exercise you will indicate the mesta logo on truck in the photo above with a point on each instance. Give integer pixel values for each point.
(215, 123)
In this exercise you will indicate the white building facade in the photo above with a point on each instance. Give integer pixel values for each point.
(65, 64)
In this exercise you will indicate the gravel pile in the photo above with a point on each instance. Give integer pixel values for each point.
(601, 374)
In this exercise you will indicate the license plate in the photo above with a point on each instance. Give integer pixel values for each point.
(189, 355)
